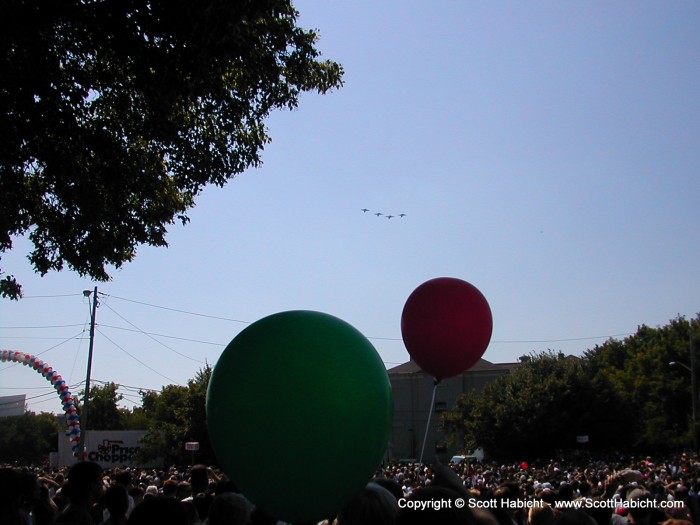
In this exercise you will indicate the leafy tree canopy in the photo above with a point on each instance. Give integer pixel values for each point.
(28, 439)
(116, 114)
(654, 396)
(623, 395)
(175, 416)
(103, 411)
(541, 406)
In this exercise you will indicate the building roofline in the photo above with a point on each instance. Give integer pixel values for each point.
(482, 365)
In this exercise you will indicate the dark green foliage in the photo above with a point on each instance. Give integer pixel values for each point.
(623, 395)
(116, 114)
(540, 407)
(28, 439)
(103, 411)
(172, 417)
(175, 416)
(653, 396)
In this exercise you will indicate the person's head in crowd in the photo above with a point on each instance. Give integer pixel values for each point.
(59, 478)
(391, 485)
(565, 492)
(541, 515)
(116, 500)
(229, 508)
(444, 476)
(123, 477)
(158, 511)
(184, 490)
(585, 489)
(373, 505)
(137, 494)
(643, 511)
(84, 483)
(170, 488)
(547, 494)
(199, 479)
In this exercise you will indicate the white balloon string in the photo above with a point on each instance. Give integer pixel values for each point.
(427, 425)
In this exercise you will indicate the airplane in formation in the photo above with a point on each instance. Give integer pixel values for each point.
(380, 214)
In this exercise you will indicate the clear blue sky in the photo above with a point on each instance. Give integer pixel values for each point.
(546, 152)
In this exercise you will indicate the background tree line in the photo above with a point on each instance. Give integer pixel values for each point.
(624, 395)
(171, 417)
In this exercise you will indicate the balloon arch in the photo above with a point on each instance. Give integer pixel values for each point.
(67, 400)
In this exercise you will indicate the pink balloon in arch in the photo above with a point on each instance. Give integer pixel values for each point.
(446, 326)
(67, 400)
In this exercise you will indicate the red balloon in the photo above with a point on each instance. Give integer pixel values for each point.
(446, 326)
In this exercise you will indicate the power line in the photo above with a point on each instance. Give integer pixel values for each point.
(151, 337)
(45, 351)
(176, 310)
(564, 340)
(137, 360)
(132, 400)
(51, 296)
(42, 338)
(22, 388)
(39, 327)
(134, 388)
(162, 335)
(368, 337)
(46, 394)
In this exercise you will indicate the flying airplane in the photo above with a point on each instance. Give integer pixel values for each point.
(365, 210)
(378, 214)
(389, 216)
(402, 215)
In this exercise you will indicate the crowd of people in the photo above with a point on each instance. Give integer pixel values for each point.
(644, 491)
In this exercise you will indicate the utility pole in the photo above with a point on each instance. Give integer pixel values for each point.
(84, 411)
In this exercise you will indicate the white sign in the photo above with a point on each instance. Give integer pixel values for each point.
(192, 445)
(582, 439)
(109, 448)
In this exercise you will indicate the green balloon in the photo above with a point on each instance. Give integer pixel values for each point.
(299, 412)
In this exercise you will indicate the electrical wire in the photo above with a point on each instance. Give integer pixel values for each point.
(368, 337)
(132, 400)
(162, 335)
(45, 351)
(136, 359)
(39, 327)
(565, 340)
(176, 310)
(46, 394)
(151, 337)
(51, 296)
(41, 338)
(186, 312)
(127, 387)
